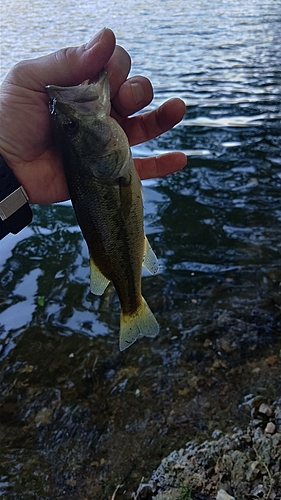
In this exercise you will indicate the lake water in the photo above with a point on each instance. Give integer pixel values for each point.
(69, 397)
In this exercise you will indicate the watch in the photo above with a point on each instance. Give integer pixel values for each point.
(15, 212)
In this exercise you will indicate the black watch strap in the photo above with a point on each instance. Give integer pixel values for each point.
(15, 212)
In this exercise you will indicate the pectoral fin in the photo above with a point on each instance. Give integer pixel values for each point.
(98, 282)
(149, 258)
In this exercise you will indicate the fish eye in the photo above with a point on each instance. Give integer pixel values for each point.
(71, 127)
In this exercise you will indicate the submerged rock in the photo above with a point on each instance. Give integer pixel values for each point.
(245, 464)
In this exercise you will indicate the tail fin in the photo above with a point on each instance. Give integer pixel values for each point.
(142, 322)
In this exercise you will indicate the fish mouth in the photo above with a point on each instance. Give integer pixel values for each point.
(52, 105)
(89, 90)
(78, 94)
(73, 100)
(56, 106)
(80, 97)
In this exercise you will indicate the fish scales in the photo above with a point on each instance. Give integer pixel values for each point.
(113, 234)
(106, 195)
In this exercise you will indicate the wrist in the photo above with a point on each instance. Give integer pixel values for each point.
(15, 212)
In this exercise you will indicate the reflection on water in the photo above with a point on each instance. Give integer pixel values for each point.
(216, 227)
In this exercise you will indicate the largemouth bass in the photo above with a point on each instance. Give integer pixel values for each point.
(105, 191)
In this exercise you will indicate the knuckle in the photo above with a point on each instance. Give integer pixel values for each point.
(18, 73)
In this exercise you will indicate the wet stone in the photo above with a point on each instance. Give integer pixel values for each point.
(244, 464)
(265, 410)
(270, 428)
(223, 495)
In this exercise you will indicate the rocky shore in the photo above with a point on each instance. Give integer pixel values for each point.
(244, 465)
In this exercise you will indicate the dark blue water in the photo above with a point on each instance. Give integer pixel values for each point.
(216, 227)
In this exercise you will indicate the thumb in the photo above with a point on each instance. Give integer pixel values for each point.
(68, 66)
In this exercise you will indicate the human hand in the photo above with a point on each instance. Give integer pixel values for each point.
(26, 141)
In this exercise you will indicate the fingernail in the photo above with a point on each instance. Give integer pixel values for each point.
(95, 40)
(137, 92)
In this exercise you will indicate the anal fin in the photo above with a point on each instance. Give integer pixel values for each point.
(98, 282)
(150, 261)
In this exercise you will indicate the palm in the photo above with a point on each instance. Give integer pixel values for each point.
(26, 139)
(29, 148)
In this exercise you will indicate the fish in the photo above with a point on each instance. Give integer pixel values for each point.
(106, 195)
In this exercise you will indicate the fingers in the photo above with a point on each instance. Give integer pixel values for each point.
(149, 125)
(127, 96)
(159, 166)
(134, 94)
(118, 68)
